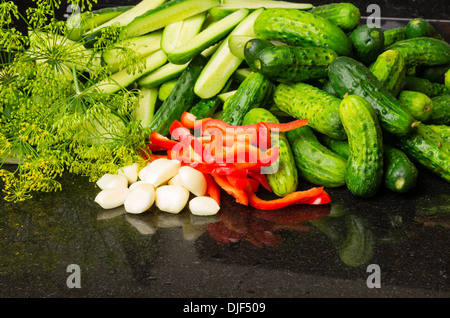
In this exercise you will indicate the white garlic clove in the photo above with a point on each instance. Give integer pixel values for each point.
(175, 180)
(140, 199)
(109, 181)
(138, 183)
(130, 172)
(171, 198)
(193, 180)
(112, 198)
(204, 206)
(159, 171)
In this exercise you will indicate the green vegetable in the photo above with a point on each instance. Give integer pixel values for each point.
(400, 173)
(348, 76)
(302, 100)
(368, 43)
(298, 27)
(435, 74)
(338, 146)
(345, 15)
(164, 73)
(252, 48)
(364, 171)
(205, 107)
(284, 179)
(419, 104)
(394, 35)
(237, 44)
(440, 114)
(165, 89)
(418, 84)
(419, 27)
(390, 69)
(442, 130)
(145, 108)
(315, 162)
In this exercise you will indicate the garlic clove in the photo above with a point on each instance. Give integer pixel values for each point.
(130, 172)
(159, 171)
(175, 180)
(109, 181)
(204, 206)
(193, 180)
(140, 199)
(112, 198)
(171, 198)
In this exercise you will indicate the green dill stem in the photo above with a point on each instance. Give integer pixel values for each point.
(75, 80)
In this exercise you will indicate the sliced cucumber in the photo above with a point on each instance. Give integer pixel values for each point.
(123, 78)
(224, 96)
(166, 88)
(145, 108)
(267, 4)
(206, 38)
(237, 42)
(223, 63)
(163, 74)
(142, 45)
(167, 13)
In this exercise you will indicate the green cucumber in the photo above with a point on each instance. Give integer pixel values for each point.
(298, 27)
(364, 171)
(267, 4)
(287, 63)
(141, 45)
(165, 89)
(442, 130)
(447, 79)
(163, 74)
(253, 92)
(345, 15)
(180, 99)
(423, 85)
(205, 108)
(390, 69)
(400, 174)
(348, 76)
(241, 74)
(394, 35)
(252, 49)
(338, 146)
(435, 74)
(301, 100)
(237, 44)
(222, 64)
(440, 115)
(420, 105)
(315, 162)
(368, 43)
(167, 13)
(427, 147)
(145, 108)
(419, 27)
(423, 51)
(285, 178)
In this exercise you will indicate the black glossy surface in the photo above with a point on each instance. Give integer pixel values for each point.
(162, 255)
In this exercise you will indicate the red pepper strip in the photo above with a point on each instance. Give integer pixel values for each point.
(245, 184)
(323, 198)
(183, 134)
(161, 141)
(311, 196)
(283, 127)
(240, 195)
(212, 188)
(190, 120)
(261, 178)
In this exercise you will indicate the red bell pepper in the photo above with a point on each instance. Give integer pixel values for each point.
(164, 143)
(212, 188)
(240, 195)
(245, 183)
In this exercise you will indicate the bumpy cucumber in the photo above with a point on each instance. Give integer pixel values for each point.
(205, 107)
(252, 49)
(285, 179)
(301, 28)
(345, 15)
(390, 69)
(368, 43)
(428, 148)
(301, 100)
(419, 104)
(180, 99)
(400, 174)
(287, 63)
(364, 172)
(348, 76)
(442, 130)
(440, 115)
(419, 27)
(394, 35)
(315, 162)
(253, 92)
(423, 51)
(423, 85)
(338, 146)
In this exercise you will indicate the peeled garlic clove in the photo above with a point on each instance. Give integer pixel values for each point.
(130, 172)
(112, 198)
(137, 183)
(171, 198)
(140, 199)
(159, 171)
(193, 180)
(109, 181)
(175, 180)
(204, 206)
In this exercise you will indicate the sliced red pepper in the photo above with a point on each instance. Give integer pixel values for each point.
(212, 188)
(261, 178)
(311, 196)
(161, 141)
(240, 195)
(245, 184)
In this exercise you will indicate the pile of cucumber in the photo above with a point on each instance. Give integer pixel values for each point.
(378, 101)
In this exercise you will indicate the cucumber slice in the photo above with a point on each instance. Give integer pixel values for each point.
(145, 108)
(236, 44)
(165, 14)
(142, 45)
(166, 88)
(123, 78)
(223, 63)
(163, 74)
(267, 4)
(206, 38)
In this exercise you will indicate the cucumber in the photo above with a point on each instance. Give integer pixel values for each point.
(419, 104)
(400, 174)
(237, 44)
(338, 146)
(364, 171)
(167, 13)
(298, 27)
(145, 108)
(163, 74)
(301, 100)
(440, 115)
(442, 130)
(285, 178)
(435, 74)
(165, 89)
(124, 78)
(348, 76)
(80, 23)
(251, 49)
(419, 27)
(447, 79)
(222, 64)
(390, 69)
(418, 84)
(289, 63)
(241, 74)
(368, 43)
(423, 51)
(253, 92)
(315, 162)
(345, 15)
(328, 88)
(425, 146)
(142, 45)
(180, 99)
(205, 108)
(394, 35)
(257, 4)
(178, 33)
